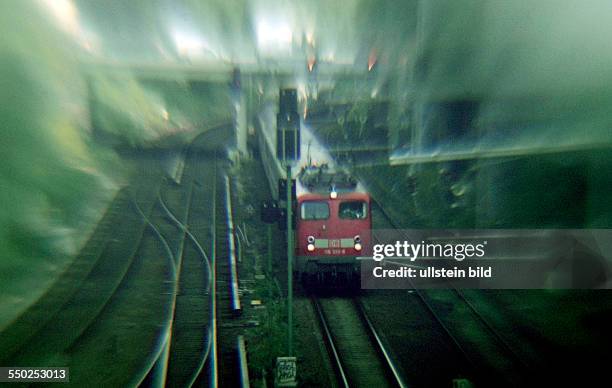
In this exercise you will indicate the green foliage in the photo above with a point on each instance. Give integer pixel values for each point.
(54, 184)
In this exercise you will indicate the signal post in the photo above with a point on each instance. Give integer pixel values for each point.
(288, 152)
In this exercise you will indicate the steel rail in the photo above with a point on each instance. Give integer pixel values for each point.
(242, 361)
(428, 306)
(193, 239)
(203, 360)
(491, 329)
(498, 337)
(179, 264)
(236, 306)
(214, 365)
(380, 346)
(329, 340)
(158, 379)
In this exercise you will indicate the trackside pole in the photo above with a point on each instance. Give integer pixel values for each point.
(288, 152)
(289, 265)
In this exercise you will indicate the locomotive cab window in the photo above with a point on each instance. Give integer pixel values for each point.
(314, 210)
(353, 210)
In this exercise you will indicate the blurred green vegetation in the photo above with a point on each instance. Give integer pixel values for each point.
(559, 177)
(138, 113)
(54, 183)
(58, 171)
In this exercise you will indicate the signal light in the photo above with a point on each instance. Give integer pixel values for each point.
(357, 246)
(310, 239)
(311, 247)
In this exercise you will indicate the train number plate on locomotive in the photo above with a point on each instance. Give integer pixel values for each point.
(334, 252)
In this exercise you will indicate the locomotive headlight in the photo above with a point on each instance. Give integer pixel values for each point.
(310, 247)
(333, 194)
(357, 240)
(310, 239)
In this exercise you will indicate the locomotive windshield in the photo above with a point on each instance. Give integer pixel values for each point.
(315, 210)
(353, 210)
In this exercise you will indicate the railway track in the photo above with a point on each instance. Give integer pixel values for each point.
(488, 357)
(135, 306)
(91, 319)
(203, 350)
(189, 206)
(225, 370)
(135, 317)
(492, 358)
(187, 341)
(359, 357)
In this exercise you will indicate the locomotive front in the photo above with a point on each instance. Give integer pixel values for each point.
(333, 230)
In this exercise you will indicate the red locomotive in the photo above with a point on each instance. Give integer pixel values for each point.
(333, 223)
